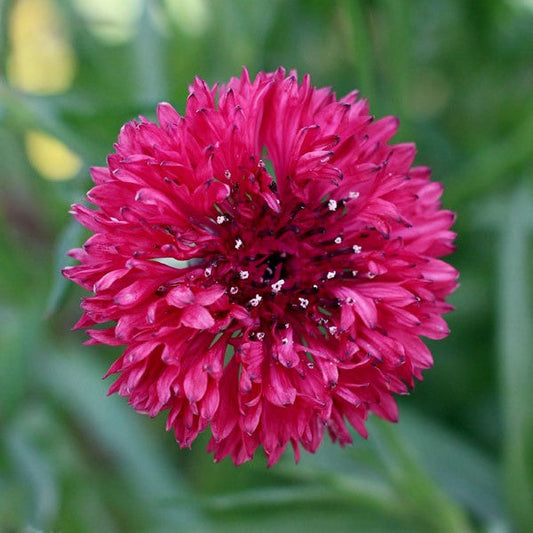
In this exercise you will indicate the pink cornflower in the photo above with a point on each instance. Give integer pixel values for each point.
(269, 261)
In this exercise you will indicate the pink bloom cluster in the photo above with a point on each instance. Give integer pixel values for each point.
(269, 261)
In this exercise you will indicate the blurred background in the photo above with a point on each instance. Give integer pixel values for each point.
(458, 73)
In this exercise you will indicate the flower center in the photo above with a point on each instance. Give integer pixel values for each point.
(280, 255)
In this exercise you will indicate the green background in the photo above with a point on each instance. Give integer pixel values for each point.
(459, 75)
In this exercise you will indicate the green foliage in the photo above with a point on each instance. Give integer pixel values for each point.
(459, 76)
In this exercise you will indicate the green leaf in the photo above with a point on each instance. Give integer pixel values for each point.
(492, 168)
(16, 352)
(37, 472)
(76, 382)
(461, 469)
(151, 80)
(26, 111)
(70, 238)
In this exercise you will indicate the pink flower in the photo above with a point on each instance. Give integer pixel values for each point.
(269, 260)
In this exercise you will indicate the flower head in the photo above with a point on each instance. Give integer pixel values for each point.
(270, 262)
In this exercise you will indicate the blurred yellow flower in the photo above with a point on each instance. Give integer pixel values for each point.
(41, 59)
(50, 157)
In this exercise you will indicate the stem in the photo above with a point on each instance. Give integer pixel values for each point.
(359, 42)
(515, 318)
(422, 497)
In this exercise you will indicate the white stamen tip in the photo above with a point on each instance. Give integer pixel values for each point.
(331, 274)
(208, 271)
(244, 274)
(260, 336)
(238, 244)
(349, 300)
(353, 194)
(332, 330)
(254, 302)
(221, 219)
(338, 240)
(284, 340)
(276, 287)
(371, 275)
(233, 290)
(356, 249)
(332, 205)
(304, 302)
(227, 173)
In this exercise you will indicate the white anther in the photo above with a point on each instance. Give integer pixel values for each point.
(304, 302)
(356, 249)
(260, 336)
(221, 219)
(227, 173)
(371, 275)
(254, 302)
(238, 244)
(349, 300)
(353, 194)
(284, 340)
(276, 287)
(208, 271)
(233, 290)
(331, 274)
(332, 330)
(354, 273)
(332, 205)
(244, 274)
(338, 240)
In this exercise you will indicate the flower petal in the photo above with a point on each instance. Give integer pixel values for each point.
(197, 317)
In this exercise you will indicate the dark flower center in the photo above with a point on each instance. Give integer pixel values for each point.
(280, 263)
